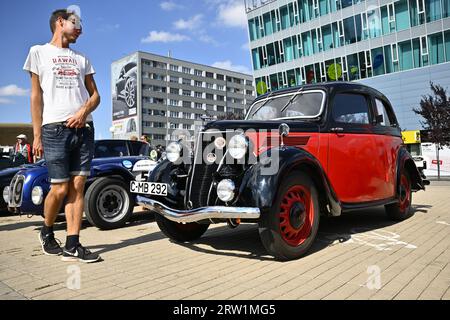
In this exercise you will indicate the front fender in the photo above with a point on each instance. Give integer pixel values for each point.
(33, 179)
(406, 162)
(262, 181)
(108, 170)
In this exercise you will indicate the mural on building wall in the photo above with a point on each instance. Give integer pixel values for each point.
(124, 76)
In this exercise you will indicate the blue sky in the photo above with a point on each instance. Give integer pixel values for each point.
(211, 32)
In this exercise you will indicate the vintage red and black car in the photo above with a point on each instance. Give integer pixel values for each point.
(300, 153)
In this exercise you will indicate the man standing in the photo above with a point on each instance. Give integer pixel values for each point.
(63, 96)
(22, 151)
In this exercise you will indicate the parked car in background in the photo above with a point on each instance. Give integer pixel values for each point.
(302, 152)
(6, 176)
(108, 203)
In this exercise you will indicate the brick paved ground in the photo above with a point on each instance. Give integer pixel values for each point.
(360, 255)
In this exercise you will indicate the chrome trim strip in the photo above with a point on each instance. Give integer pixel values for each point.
(205, 213)
(191, 173)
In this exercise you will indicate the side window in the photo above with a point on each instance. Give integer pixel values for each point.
(350, 108)
(381, 111)
(139, 149)
(110, 149)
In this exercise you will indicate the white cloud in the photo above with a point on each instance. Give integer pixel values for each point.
(191, 24)
(13, 90)
(208, 39)
(108, 27)
(246, 46)
(227, 64)
(163, 36)
(232, 14)
(170, 5)
(6, 101)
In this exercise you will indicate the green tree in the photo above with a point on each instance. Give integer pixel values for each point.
(435, 111)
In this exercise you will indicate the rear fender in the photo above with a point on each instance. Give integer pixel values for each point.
(405, 161)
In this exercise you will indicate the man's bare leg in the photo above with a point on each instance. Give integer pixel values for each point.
(75, 205)
(52, 205)
(53, 202)
(74, 251)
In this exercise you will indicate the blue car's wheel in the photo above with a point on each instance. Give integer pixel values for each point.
(108, 203)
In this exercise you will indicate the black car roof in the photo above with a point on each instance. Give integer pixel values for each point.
(327, 86)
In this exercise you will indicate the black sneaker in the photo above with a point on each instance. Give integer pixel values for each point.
(81, 254)
(50, 245)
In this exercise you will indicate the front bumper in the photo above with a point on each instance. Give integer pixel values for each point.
(194, 215)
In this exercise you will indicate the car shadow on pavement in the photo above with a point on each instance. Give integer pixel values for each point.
(244, 241)
(103, 248)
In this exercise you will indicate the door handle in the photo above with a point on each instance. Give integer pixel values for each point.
(337, 129)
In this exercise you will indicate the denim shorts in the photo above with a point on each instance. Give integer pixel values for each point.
(67, 151)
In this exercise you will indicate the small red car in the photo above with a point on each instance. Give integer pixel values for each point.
(303, 152)
(64, 72)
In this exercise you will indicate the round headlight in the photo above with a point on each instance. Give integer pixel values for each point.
(37, 195)
(220, 143)
(225, 190)
(173, 152)
(6, 194)
(238, 146)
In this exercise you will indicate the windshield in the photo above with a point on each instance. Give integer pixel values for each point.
(307, 104)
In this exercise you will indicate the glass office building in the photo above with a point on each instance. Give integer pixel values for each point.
(397, 46)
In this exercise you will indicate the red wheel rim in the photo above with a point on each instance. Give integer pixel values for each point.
(296, 215)
(405, 193)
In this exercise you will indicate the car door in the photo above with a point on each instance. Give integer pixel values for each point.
(388, 140)
(356, 167)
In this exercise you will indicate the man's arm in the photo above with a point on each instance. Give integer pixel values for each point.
(36, 114)
(79, 119)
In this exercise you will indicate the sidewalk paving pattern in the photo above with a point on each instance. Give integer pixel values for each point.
(360, 255)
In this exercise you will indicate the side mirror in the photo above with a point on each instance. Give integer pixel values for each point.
(283, 130)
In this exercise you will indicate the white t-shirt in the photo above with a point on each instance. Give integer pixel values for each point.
(62, 74)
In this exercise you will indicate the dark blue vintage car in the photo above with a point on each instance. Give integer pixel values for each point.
(108, 203)
(6, 176)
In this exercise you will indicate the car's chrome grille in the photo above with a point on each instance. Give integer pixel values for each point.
(16, 191)
(202, 174)
(202, 178)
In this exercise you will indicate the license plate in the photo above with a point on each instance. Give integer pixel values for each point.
(151, 188)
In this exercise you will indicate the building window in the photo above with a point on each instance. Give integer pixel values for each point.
(174, 79)
(186, 70)
(187, 104)
(187, 93)
(198, 105)
(209, 96)
(174, 91)
(198, 94)
(210, 75)
(198, 73)
(174, 114)
(187, 81)
(174, 103)
(220, 77)
(173, 67)
(186, 115)
(209, 85)
(198, 83)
